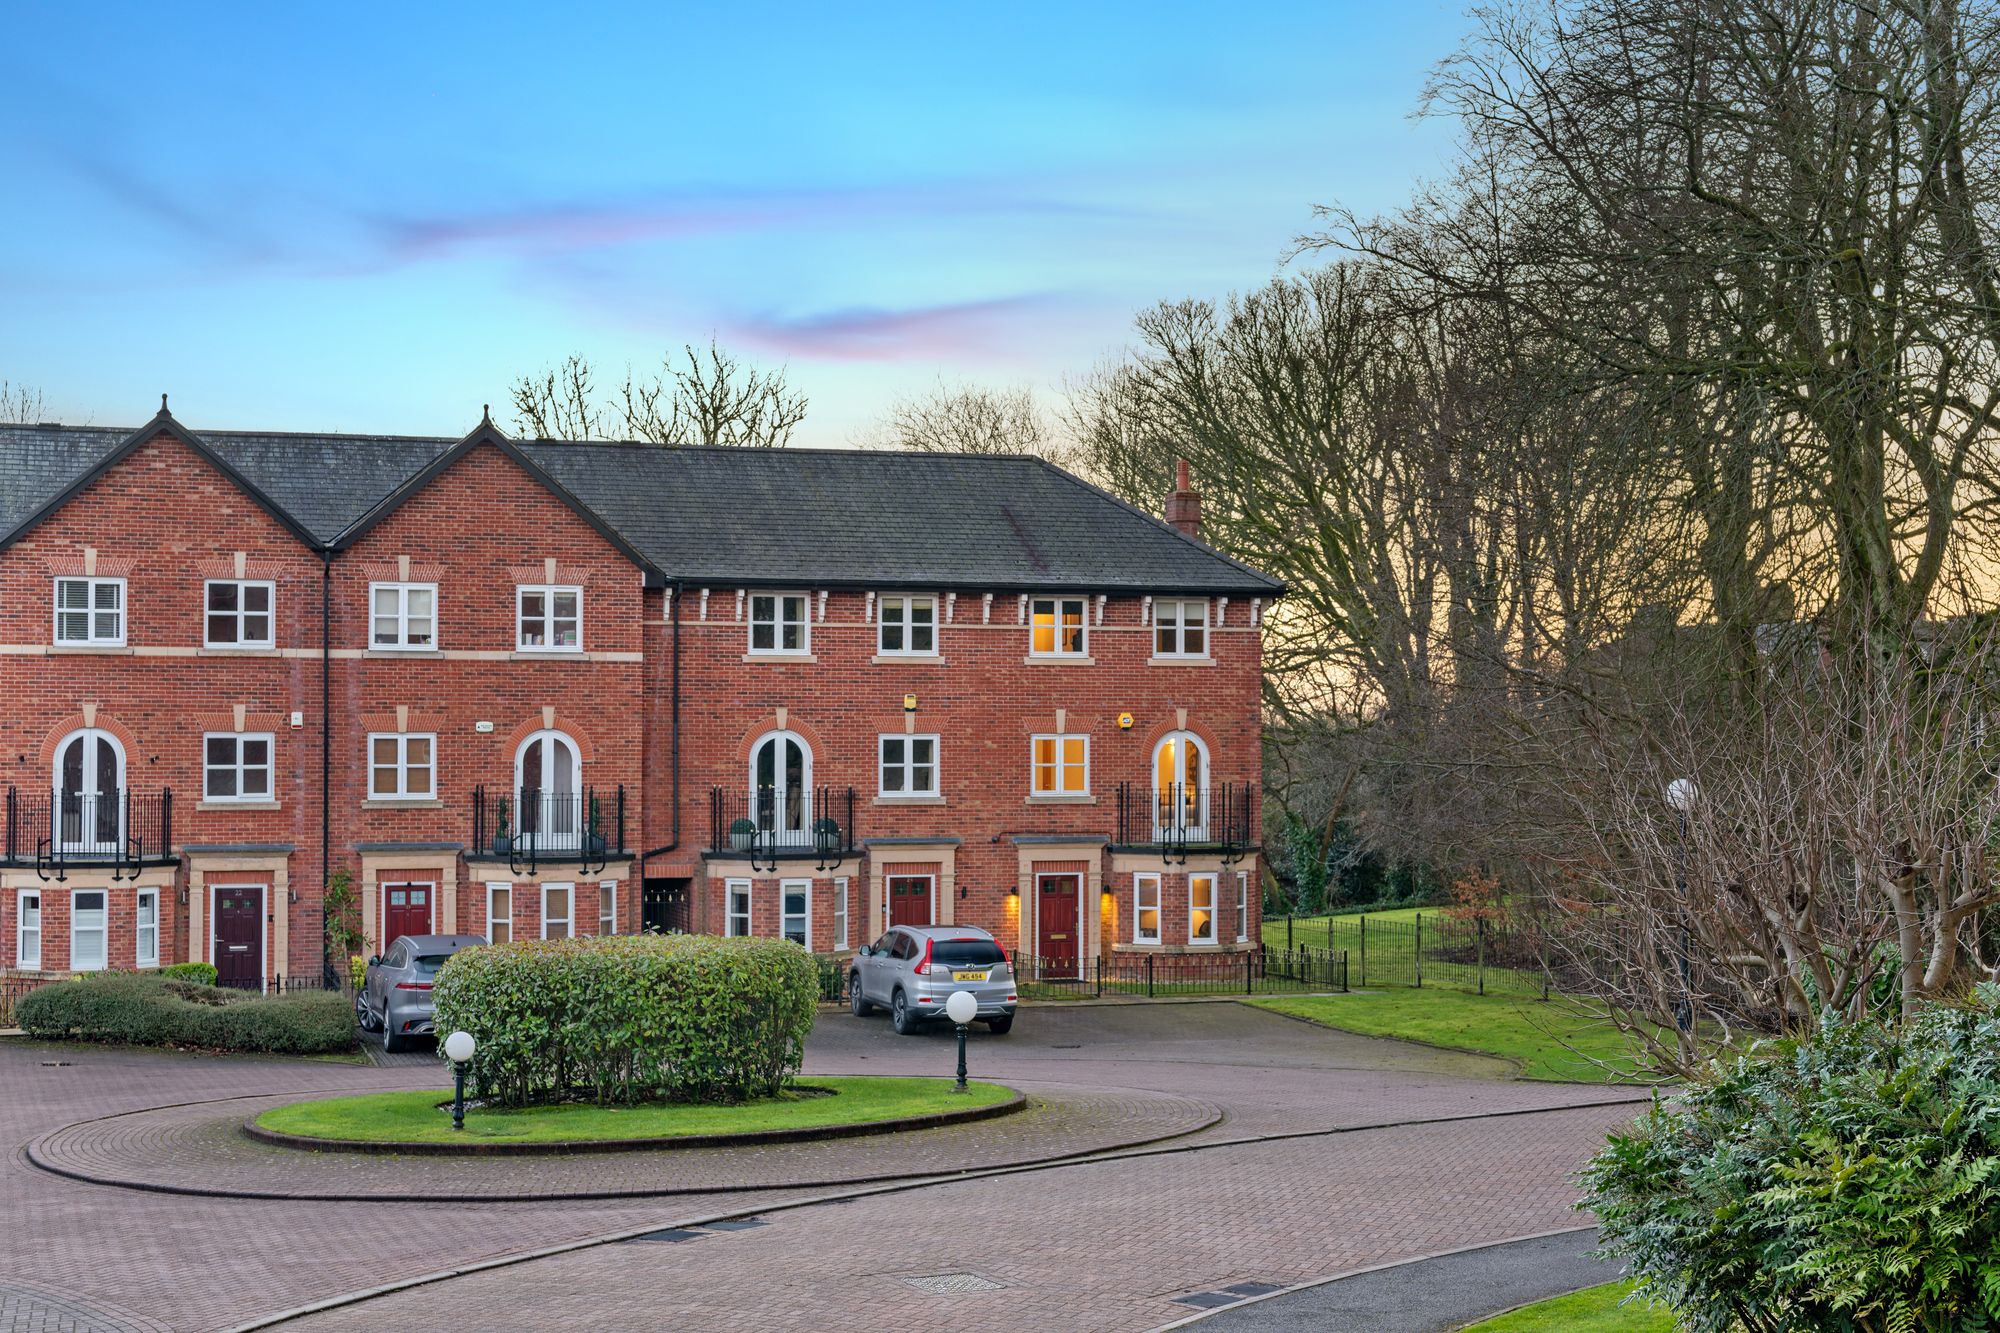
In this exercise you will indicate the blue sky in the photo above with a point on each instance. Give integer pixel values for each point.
(372, 218)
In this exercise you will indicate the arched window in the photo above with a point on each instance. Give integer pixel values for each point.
(781, 785)
(1180, 788)
(89, 783)
(548, 775)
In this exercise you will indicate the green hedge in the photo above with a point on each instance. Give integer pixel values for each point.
(1850, 1182)
(201, 973)
(152, 1010)
(688, 1018)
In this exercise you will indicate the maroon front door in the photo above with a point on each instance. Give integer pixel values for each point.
(239, 936)
(910, 900)
(406, 910)
(1056, 898)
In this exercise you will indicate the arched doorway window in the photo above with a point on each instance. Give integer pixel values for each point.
(1180, 788)
(548, 775)
(781, 787)
(89, 784)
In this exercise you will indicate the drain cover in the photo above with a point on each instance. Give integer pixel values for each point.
(739, 1224)
(952, 1284)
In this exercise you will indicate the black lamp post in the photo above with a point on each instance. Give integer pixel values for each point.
(961, 1009)
(458, 1049)
(1681, 793)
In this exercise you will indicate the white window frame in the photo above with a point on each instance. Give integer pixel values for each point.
(270, 614)
(906, 605)
(607, 907)
(1242, 906)
(840, 936)
(908, 766)
(787, 887)
(78, 963)
(550, 620)
(1177, 627)
(1056, 650)
(777, 622)
(568, 918)
(142, 954)
(238, 768)
(494, 888)
(91, 611)
(401, 643)
(1214, 936)
(730, 917)
(1140, 883)
(23, 958)
(403, 792)
(1061, 766)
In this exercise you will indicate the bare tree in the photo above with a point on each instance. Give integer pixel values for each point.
(972, 419)
(706, 396)
(19, 403)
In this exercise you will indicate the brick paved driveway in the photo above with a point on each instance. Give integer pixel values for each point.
(1102, 1244)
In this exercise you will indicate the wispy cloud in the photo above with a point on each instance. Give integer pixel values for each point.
(861, 333)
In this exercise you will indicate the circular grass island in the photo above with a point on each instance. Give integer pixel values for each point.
(815, 1108)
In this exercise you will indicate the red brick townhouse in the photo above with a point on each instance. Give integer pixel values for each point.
(534, 689)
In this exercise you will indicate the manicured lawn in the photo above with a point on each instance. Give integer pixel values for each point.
(1548, 1040)
(1593, 1311)
(414, 1117)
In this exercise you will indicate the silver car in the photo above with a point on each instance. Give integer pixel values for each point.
(395, 1000)
(913, 970)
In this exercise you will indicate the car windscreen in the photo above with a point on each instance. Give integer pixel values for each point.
(966, 953)
(427, 964)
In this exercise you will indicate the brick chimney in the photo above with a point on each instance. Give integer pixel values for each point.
(1184, 505)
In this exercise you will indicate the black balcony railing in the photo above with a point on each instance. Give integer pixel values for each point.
(770, 826)
(527, 826)
(1182, 818)
(53, 830)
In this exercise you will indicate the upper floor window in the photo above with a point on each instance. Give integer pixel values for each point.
(1180, 628)
(907, 626)
(781, 783)
(909, 766)
(403, 615)
(238, 614)
(1180, 787)
(402, 767)
(778, 623)
(236, 768)
(1061, 765)
(91, 611)
(549, 619)
(1058, 627)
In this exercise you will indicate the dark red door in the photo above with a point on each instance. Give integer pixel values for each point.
(910, 900)
(1056, 914)
(406, 910)
(239, 937)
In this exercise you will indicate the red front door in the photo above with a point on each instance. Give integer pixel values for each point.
(1056, 899)
(239, 937)
(910, 900)
(406, 910)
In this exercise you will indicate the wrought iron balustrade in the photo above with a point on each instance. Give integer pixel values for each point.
(1180, 818)
(527, 826)
(768, 826)
(54, 830)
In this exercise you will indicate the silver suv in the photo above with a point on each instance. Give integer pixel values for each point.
(914, 969)
(395, 1000)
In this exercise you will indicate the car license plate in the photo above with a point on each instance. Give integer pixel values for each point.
(969, 976)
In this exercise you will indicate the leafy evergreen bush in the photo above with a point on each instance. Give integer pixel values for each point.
(687, 1018)
(154, 1010)
(202, 974)
(1850, 1182)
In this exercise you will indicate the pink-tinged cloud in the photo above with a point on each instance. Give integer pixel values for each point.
(917, 333)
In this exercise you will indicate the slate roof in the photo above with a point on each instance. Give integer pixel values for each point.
(803, 517)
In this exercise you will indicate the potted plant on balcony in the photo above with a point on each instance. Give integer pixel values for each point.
(742, 833)
(501, 842)
(826, 833)
(593, 840)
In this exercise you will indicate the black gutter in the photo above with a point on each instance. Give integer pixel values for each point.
(325, 752)
(674, 593)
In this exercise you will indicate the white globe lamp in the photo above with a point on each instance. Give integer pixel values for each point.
(961, 1007)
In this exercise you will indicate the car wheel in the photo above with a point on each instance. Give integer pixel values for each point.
(861, 1006)
(900, 1016)
(391, 1043)
(361, 1017)
(1000, 1027)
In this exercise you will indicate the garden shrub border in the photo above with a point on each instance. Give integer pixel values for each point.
(148, 1009)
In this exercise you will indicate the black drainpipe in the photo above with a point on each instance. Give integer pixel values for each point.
(325, 755)
(675, 726)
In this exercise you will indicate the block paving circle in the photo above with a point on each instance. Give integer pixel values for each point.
(201, 1148)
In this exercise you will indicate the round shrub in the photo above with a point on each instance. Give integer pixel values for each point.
(202, 974)
(150, 1010)
(1849, 1182)
(688, 1018)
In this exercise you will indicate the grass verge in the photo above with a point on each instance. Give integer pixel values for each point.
(1596, 1310)
(1557, 1040)
(415, 1117)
